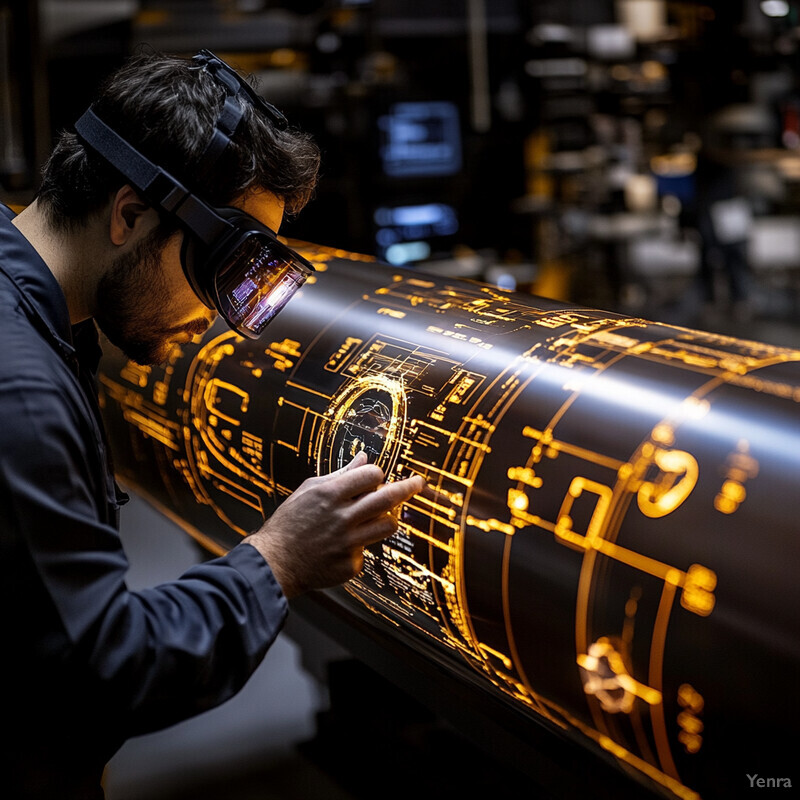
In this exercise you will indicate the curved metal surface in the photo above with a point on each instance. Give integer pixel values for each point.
(609, 542)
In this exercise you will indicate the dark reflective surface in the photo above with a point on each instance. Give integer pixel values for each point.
(608, 541)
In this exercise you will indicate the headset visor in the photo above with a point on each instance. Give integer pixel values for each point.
(256, 281)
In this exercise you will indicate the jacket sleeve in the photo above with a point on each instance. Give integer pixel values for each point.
(139, 660)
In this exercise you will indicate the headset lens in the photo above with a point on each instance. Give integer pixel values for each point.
(257, 282)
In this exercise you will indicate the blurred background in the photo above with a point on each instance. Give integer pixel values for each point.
(641, 156)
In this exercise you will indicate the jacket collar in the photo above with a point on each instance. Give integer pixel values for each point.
(26, 269)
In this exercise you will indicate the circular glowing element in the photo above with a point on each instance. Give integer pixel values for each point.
(369, 416)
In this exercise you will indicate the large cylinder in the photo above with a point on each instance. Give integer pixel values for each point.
(610, 537)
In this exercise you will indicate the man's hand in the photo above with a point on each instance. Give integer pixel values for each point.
(317, 535)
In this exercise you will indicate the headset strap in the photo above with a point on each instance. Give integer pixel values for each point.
(232, 110)
(156, 185)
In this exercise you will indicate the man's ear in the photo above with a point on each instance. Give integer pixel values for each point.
(130, 215)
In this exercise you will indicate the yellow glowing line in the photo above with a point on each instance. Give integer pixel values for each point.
(501, 657)
(626, 681)
(594, 541)
(446, 522)
(250, 467)
(572, 450)
(129, 400)
(306, 389)
(608, 744)
(477, 460)
(636, 560)
(293, 447)
(356, 588)
(594, 529)
(211, 388)
(565, 406)
(151, 428)
(487, 525)
(532, 697)
(422, 571)
(439, 471)
(582, 624)
(532, 519)
(207, 472)
(656, 670)
(451, 513)
(241, 498)
(223, 458)
(431, 540)
(313, 343)
(453, 437)
(480, 423)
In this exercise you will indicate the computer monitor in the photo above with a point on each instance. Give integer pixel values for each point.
(420, 139)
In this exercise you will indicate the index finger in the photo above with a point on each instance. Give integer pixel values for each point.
(386, 497)
(350, 483)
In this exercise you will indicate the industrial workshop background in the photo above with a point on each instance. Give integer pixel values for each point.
(639, 156)
(636, 155)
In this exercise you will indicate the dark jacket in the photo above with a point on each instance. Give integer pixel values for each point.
(86, 663)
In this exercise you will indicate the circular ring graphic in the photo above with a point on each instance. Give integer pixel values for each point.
(368, 415)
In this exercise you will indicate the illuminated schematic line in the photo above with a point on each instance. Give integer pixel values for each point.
(650, 695)
(307, 389)
(453, 437)
(222, 481)
(608, 744)
(443, 472)
(446, 548)
(656, 668)
(255, 505)
(210, 447)
(625, 556)
(487, 525)
(150, 427)
(544, 437)
(532, 519)
(501, 657)
(449, 512)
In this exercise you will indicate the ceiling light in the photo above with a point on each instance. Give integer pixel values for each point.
(775, 8)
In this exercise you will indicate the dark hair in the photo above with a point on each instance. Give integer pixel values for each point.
(166, 107)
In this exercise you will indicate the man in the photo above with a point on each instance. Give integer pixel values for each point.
(87, 663)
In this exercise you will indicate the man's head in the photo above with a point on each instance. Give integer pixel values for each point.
(166, 108)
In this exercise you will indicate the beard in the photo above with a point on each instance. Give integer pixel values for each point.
(133, 304)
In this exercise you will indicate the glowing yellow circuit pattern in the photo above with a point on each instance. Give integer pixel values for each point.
(604, 503)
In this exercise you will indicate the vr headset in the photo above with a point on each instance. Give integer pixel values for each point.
(233, 262)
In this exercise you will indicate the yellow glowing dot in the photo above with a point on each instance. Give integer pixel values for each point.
(690, 723)
(735, 491)
(663, 434)
(724, 504)
(690, 698)
(517, 500)
(690, 741)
